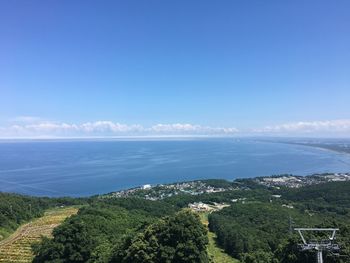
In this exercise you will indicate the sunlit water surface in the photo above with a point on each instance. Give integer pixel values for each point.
(82, 168)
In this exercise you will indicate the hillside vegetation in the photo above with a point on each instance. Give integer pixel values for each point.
(108, 232)
(17, 209)
(263, 231)
(215, 253)
(255, 225)
(17, 247)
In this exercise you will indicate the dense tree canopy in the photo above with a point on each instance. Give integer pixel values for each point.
(80, 238)
(107, 232)
(181, 238)
(259, 231)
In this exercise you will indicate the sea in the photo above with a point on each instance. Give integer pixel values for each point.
(88, 167)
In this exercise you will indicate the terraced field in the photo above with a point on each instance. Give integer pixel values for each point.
(17, 247)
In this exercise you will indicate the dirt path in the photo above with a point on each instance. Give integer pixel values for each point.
(17, 247)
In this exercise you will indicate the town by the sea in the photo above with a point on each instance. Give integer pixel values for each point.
(89, 167)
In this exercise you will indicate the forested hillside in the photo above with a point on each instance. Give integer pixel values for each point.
(254, 225)
(333, 196)
(127, 230)
(17, 209)
(259, 231)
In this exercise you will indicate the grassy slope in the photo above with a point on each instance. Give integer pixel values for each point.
(17, 247)
(216, 254)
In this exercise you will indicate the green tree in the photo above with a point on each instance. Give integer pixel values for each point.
(180, 238)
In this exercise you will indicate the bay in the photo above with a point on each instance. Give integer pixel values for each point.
(87, 167)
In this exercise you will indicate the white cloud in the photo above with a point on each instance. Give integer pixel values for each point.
(106, 128)
(37, 127)
(191, 129)
(109, 126)
(309, 127)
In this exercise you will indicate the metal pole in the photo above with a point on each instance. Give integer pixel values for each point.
(319, 256)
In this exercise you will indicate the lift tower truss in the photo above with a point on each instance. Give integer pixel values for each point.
(319, 245)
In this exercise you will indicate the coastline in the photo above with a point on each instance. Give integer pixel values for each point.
(68, 169)
(333, 148)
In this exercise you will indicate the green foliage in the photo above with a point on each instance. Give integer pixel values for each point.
(72, 243)
(129, 230)
(259, 232)
(288, 252)
(16, 209)
(106, 232)
(91, 235)
(328, 197)
(259, 256)
(180, 238)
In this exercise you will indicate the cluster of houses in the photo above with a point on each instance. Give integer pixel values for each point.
(161, 191)
(293, 181)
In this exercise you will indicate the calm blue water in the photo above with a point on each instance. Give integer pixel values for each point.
(81, 168)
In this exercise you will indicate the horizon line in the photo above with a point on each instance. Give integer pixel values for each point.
(195, 136)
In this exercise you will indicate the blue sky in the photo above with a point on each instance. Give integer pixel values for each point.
(164, 67)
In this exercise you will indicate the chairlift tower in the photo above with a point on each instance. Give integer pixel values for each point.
(319, 246)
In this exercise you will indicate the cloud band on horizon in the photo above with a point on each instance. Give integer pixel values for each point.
(34, 127)
(107, 128)
(309, 127)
